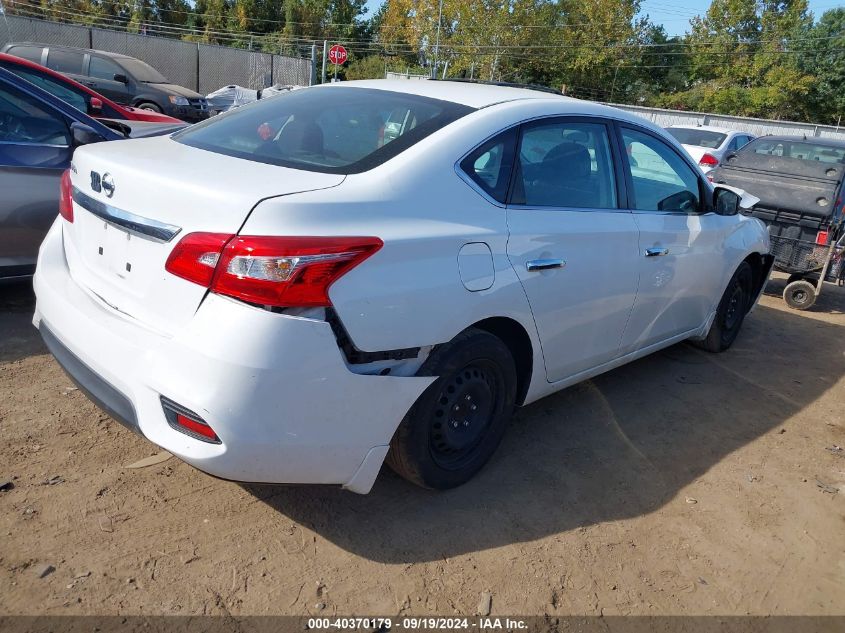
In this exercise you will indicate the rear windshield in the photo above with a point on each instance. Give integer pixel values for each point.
(797, 149)
(694, 136)
(141, 71)
(338, 130)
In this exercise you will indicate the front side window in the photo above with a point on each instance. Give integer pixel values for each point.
(53, 86)
(662, 180)
(490, 165)
(100, 68)
(338, 130)
(564, 163)
(65, 61)
(24, 121)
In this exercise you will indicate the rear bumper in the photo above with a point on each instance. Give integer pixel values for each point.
(274, 388)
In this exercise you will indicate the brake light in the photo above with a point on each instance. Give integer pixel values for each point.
(274, 271)
(708, 160)
(821, 238)
(66, 197)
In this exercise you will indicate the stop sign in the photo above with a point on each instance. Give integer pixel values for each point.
(337, 54)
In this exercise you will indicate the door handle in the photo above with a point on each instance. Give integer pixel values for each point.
(656, 252)
(544, 264)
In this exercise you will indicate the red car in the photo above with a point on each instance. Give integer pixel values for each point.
(76, 94)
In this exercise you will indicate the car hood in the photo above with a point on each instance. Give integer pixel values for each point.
(180, 91)
(142, 129)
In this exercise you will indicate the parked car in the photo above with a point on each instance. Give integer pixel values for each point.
(123, 79)
(286, 293)
(38, 134)
(79, 96)
(799, 182)
(708, 144)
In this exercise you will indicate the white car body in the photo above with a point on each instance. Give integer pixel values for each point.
(733, 141)
(276, 386)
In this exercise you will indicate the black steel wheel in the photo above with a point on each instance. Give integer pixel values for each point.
(731, 311)
(458, 422)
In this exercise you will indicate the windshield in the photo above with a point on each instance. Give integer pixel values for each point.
(141, 71)
(797, 149)
(340, 130)
(695, 136)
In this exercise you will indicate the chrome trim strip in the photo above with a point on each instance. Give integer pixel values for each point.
(139, 225)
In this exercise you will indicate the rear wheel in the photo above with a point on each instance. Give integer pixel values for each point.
(799, 295)
(731, 312)
(458, 422)
(148, 105)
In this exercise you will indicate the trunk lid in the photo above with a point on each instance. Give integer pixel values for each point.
(696, 151)
(117, 245)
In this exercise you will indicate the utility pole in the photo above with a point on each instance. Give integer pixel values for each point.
(437, 40)
(325, 57)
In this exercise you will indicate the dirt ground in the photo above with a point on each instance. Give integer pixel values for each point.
(684, 483)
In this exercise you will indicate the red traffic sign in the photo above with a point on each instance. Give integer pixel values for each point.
(337, 55)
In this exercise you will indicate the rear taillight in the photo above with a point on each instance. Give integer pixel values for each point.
(821, 238)
(273, 271)
(66, 197)
(708, 160)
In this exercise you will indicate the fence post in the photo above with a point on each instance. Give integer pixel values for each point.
(198, 68)
(90, 37)
(312, 79)
(325, 55)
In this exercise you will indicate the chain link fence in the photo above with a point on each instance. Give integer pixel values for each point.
(200, 67)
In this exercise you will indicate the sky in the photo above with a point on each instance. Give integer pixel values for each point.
(674, 15)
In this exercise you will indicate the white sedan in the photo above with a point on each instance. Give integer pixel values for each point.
(305, 287)
(708, 144)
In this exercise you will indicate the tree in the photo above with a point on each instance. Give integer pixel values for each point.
(825, 59)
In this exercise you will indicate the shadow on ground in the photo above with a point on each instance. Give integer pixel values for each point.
(619, 446)
(18, 337)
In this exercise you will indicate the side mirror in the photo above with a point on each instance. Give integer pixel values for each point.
(729, 200)
(83, 134)
(121, 78)
(95, 106)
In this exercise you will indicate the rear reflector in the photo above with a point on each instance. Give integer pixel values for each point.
(66, 197)
(187, 422)
(821, 238)
(272, 271)
(708, 160)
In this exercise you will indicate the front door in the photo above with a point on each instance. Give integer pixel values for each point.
(680, 260)
(34, 151)
(572, 247)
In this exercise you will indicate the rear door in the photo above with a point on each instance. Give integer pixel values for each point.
(572, 246)
(680, 260)
(34, 150)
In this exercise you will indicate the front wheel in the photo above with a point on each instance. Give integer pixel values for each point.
(799, 295)
(458, 422)
(731, 312)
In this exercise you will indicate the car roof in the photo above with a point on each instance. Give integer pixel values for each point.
(794, 138)
(69, 48)
(709, 128)
(474, 95)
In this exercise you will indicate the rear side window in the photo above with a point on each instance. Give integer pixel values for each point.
(32, 53)
(564, 163)
(65, 61)
(339, 130)
(490, 165)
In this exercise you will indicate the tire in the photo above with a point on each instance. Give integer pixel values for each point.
(794, 277)
(149, 105)
(477, 385)
(731, 312)
(799, 295)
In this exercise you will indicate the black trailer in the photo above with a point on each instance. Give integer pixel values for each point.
(799, 182)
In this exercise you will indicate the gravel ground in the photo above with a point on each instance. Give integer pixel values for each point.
(683, 483)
